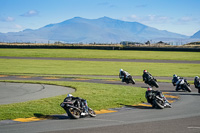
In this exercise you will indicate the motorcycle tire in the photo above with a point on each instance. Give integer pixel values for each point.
(127, 81)
(73, 113)
(198, 90)
(187, 88)
(91, 112)
(158, 105)
(154, 83)
(132, 81)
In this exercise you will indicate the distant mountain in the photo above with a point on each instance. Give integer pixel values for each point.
(101, 30)
(196, 35)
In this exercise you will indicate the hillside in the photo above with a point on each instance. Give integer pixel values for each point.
(101, 30)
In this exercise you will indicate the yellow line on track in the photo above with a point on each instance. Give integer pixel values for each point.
(104, 111)
(145, 105)
(29, 119)
(50, 78)
(24, 77)
(3, 75)
(170, 96)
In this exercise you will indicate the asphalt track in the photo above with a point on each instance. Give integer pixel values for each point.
(183, 117)
(20, 92)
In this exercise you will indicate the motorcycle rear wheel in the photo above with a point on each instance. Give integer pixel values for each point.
(73, 113)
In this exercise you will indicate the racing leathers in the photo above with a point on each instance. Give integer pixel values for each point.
(146, 77)
(149, 95)
(123, 75)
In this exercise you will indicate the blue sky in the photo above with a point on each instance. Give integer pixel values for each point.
(179, 16)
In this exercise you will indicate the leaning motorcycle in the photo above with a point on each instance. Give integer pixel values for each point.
(197, 84)
(129, 79)
(183, 85)
(158, 101)
(152, 82)
(76, 108)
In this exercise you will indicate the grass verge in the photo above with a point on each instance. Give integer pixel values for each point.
(17, 66)
(99, 96)
(111, 54)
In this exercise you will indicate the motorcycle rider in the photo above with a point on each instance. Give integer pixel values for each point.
(83, 103)
(197, 82)
(123, 74)
(176, 80)
(147, 76)
(149, 94)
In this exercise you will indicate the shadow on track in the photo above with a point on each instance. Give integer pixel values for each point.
(138, 107)
(191, 94)
(51, 117)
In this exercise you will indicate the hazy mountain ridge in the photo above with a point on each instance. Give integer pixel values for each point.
(101, 30)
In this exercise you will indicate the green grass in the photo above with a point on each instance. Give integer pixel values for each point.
(23, 66)
(111, 54)
(99, 96)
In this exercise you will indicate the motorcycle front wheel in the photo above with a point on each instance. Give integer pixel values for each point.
(187, 88)
(158, 104)
(73, 113)
(154, 83)
(91, 112)
(133, 81)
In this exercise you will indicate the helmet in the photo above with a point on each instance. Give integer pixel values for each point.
(144, 71)
(120, 70)
(69, 95)
(196, 77)
(149, 89)
(174, 75)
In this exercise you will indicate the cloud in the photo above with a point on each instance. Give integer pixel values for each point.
(30, 13)
(106, 4)
(187, 19)
(148, 19)
(17, 26)
(7, 19)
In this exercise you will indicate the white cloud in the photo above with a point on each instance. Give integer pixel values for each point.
(7, 19)
(30, 13)
(148, 19)
(17, 26)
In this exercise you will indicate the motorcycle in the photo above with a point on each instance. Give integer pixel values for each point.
(77, 108)
(182, 84)
(157, 100)
(128, 78)
(152, 82)
(197, 83)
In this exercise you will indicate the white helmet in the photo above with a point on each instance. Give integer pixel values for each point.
(120, 70)
(69, 95)
(196, 77)
(175, 75)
